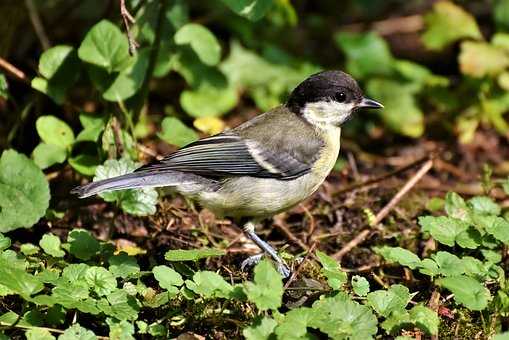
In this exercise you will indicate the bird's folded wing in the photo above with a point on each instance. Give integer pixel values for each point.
(230, 155)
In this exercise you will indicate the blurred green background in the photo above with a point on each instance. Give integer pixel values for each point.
(439, 67)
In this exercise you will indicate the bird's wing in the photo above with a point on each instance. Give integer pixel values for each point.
(230, 155)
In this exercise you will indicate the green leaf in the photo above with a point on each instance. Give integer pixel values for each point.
(208, 100)
(123, 265)
(51, 245)
(501, 14)
(46, 155)
(5, 242)
(177, 133)
(38, 334)
(399, 255)
(401, 112)
(167, 277)
(85, 164)
(201, 40)
(501, 336)
(393, 300)
(448, 264)
(191, 255)
(24, 191)
(133, 201)
(341, 318)
(332, 271)
(128, 81)
(456, 207)
(82, 244)
(425, 318)
(267, 289)
(120, 305)
(53, 130)
(467, 291)
(443, 229)
(499, 228)
(479, 59)
(251, 9)
(93, 125)
(484, 205)
(76, 332)
(367, 54)
(360, 285)
(105, 46)
(295, 323)
(120, 330)
(101, 280)
(4, 87)
(60, 68)
(261, 329)
(209, 285)
(446, 24)
(18, 280)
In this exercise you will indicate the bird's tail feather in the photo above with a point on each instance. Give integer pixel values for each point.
(131, 181)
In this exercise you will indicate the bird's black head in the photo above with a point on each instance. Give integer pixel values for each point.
(334, 94)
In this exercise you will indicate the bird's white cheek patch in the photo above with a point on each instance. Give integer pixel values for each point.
(327, 112)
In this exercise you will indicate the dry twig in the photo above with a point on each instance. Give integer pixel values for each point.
(37, 24)
(128, 20)
(382, 177)
(385, 210)
(15, 72)
(299, 268)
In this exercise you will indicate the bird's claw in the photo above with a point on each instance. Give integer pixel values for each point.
(281, 267)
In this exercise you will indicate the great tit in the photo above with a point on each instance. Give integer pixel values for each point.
(263, 166)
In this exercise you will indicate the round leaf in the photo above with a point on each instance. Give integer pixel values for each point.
(177, 133)
(202, 41)
(54, 131)
(105, 46)
(45, 155)
(24, 191)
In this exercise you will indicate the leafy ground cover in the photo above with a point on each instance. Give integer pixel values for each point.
(407, 238)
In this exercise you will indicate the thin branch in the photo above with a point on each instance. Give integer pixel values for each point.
(299, 268)
(128, 20)
(37, 24)
(385, 210)
(12, 70)
(382, 177)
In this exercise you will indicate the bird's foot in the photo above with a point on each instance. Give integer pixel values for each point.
(251, 261)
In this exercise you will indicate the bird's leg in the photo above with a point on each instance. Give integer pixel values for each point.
(249, 230)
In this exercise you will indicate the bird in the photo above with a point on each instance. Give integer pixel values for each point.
(262, 167)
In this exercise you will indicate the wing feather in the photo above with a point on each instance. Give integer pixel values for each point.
(230, 155)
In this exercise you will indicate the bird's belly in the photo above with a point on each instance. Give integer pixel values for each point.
(259, 197)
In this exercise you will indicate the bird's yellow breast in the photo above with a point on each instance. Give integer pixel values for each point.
(262, 197)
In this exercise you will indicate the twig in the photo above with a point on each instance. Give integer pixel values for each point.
(299, 268)
(280, 224)
(385, 210)
(382, 177)
(128, 19)
(407, 24)
(15, 72)
(37, 24)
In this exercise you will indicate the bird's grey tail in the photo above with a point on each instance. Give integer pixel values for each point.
(134, 180)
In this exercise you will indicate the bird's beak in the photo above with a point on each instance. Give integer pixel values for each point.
(369, 104)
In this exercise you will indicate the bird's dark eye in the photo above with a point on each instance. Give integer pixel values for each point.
(340, 97)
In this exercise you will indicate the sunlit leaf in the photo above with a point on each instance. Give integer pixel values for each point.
(448, 23)
(24, 191)
(201, 40)
(479, 59)
(467, 291)
(251, 9)
(175, 132)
